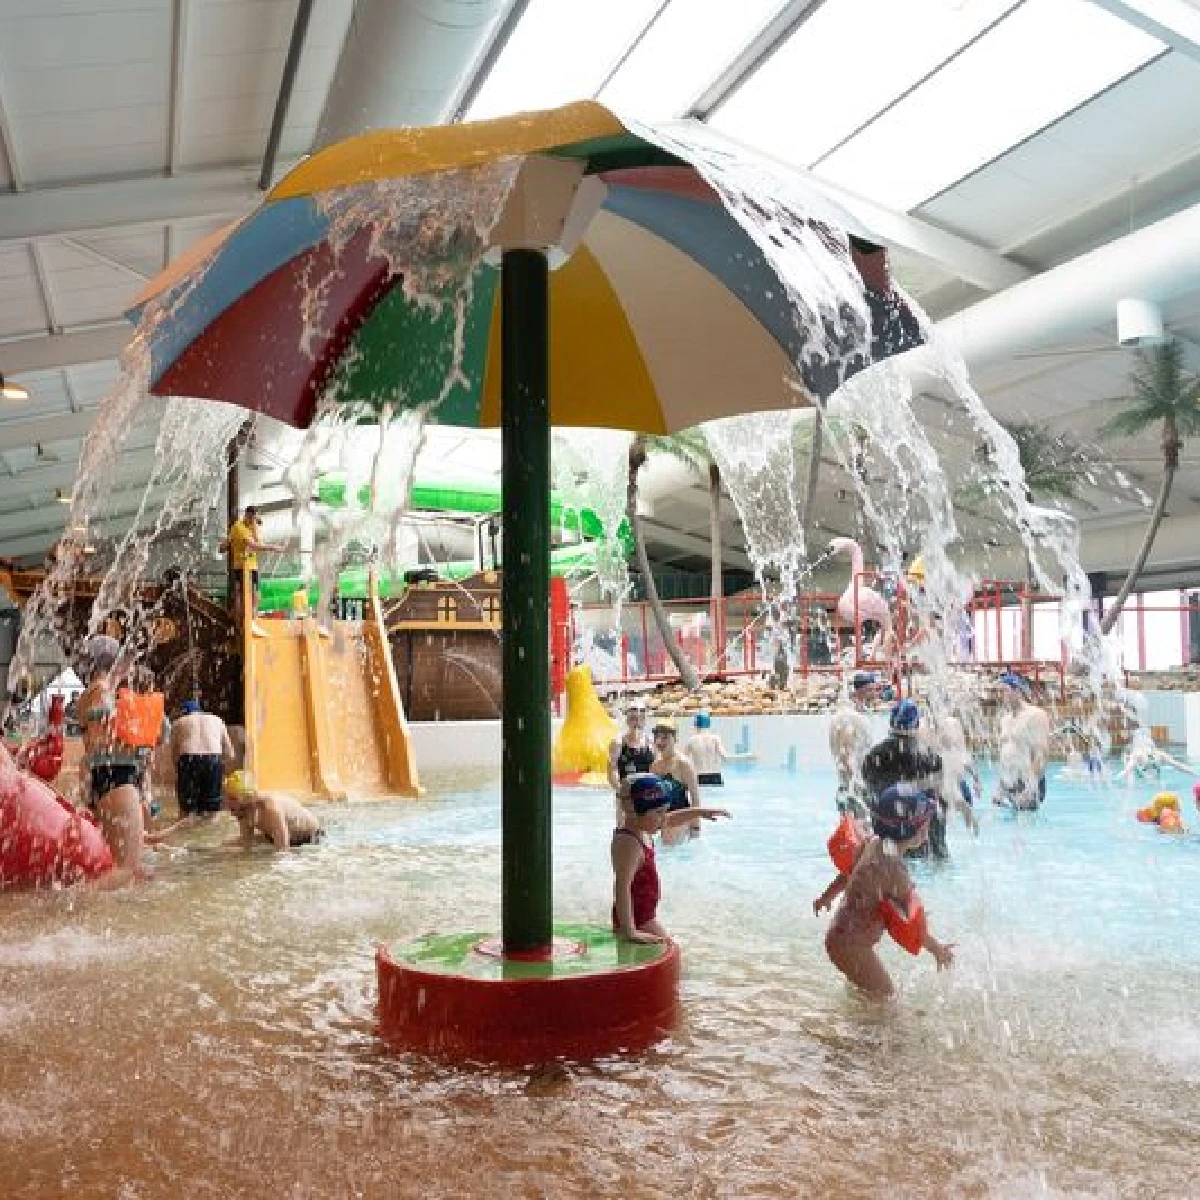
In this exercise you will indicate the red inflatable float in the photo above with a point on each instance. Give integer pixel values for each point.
(44, 755)
(43, 840)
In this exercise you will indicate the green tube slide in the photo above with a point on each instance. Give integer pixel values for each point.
(275, 595)
(475, 499)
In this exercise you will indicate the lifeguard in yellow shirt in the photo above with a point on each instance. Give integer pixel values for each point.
(243, 545)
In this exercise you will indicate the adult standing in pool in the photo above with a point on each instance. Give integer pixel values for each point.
(631, 753)
(902, 764)
(678, 776)
(707, 754)
(850, 738)
(112, 772)
(1024, 746)
(960, 778)
(202, 753)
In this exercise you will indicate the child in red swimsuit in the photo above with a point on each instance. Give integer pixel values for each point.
(636, 890)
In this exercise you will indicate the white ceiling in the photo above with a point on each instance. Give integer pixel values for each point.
(992, 140)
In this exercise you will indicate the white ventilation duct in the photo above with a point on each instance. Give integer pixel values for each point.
(403, 62)
(1155, 264)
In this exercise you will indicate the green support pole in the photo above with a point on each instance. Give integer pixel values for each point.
(525, 596)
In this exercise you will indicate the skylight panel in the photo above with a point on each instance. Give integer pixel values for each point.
(847, 62)
(561, 50)
(1047, 58)
(689, 45)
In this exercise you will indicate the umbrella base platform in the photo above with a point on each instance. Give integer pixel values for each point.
(457, 997)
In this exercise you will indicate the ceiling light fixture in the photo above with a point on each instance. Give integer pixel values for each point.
(13, 391)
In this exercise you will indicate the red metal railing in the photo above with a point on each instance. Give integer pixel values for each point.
(1006, 624)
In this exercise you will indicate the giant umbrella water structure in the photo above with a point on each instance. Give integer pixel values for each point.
(661, 312)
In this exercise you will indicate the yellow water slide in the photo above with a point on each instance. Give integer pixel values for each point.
(323, 713)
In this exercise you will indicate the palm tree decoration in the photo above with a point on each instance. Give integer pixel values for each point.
(1162, 393)
(683, 447)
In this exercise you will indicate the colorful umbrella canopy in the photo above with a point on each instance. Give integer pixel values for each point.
(666, 315)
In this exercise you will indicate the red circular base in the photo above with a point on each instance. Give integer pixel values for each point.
(527, 1020)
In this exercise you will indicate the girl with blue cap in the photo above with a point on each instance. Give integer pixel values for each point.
(877, 890)
(636, 890)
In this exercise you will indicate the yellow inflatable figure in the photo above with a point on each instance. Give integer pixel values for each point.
(581, 749)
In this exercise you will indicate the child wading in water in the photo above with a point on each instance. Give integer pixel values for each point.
(900, 817)
(636, 887)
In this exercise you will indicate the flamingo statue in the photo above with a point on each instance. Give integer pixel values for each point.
(862, 603)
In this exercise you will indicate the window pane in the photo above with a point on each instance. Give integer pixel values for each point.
(560, 51)
(1044, 60)
(850, 60)
(685, 50)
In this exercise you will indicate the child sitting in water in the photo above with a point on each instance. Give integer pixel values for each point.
(647, 811)
(284, 822)
(900, 817)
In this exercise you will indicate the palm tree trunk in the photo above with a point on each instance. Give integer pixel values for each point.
(1156, 516)
(807, 519)
(637, 456)
(717, 566)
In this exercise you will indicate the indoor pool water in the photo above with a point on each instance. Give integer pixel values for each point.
(211, 1033)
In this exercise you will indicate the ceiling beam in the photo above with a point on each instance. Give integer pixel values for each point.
(17, 435)
(127, 203)
(283, 97)
(134, 465)
(73, 348)
(105, 260)
(753, 55)
(1174, 22)
(8, 150)
(45, 287)
(473, 79)
(180, 28)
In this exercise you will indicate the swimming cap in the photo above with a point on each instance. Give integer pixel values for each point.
(703, 720)
(1013, 680)
(646, 793)
(636, 708)
(239, 783)
(189, 706)
(666, 724)
(99, 653)
(905, 718)
(863, 679)
(900, 811)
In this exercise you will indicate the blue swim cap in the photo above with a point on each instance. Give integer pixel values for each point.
(189, 706)
(905, 718)
(863, 679)
(646, 793)
(1013, 680)
(703, 720)
(900, 811)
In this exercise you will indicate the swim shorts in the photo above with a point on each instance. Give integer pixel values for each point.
(106, 777)
(310, 837)
(198, 779)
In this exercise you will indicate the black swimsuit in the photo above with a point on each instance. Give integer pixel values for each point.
(634, 760)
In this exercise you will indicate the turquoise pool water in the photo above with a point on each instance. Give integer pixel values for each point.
(214, 1030)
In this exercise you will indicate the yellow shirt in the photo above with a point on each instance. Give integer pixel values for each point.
(240, 537)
